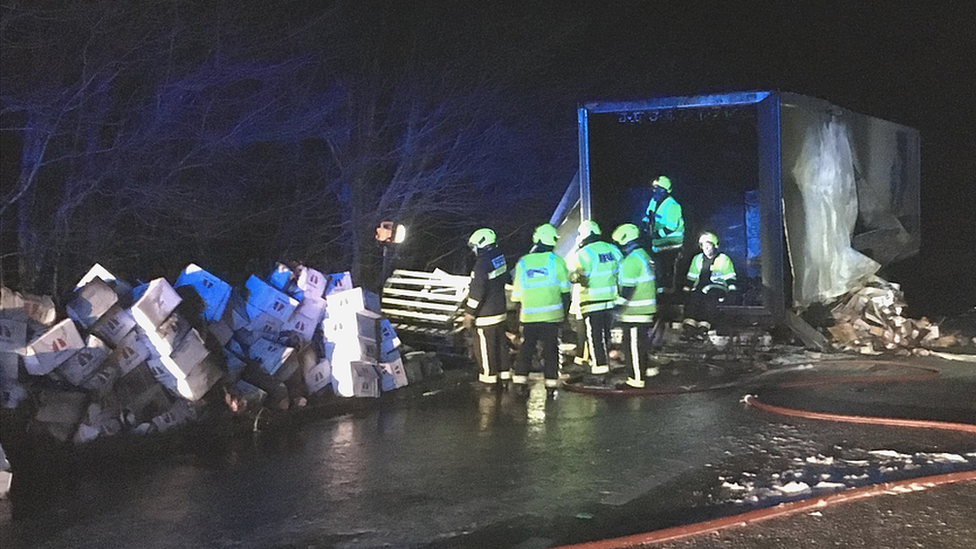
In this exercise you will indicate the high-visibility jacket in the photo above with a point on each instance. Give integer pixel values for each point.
(541, 279)
(637, 272)
(486, 293)
(722, 276)
(666, 224)
(599, 263)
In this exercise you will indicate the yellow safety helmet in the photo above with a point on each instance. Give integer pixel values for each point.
(481, 238)
(708, 237)
(545, 234)
(587, 229)
(662, 181)
(625, 234)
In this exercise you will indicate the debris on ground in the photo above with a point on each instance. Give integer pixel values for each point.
(870, 320)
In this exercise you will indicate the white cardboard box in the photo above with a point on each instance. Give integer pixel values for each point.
(52, 348)
(40, 308)
(180, 413)
(200, 380)
(190, 352)
(103, 380)
(339, 282)
(267, 299)
(91, 302)
(130, 352)
(214, 291)
(392, 375)
(262, 323)
(355, 379)
(168, 335)
(120, 287)
(352, 348)
(114, 326)
(84, 363)
(11, 302)
(354, 300)
(306, 317)
(318, 376)
(270, 355)
(359, 324)
(13, 335)
(156, 301)
(312, 283)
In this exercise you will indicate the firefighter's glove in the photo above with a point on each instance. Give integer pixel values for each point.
(468, 321)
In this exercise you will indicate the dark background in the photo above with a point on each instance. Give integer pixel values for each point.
(511, 76)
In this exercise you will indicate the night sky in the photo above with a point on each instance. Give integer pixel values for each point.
(534, 62)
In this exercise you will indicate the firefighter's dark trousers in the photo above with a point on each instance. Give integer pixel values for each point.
(598, 325)
(665, 269)
(491, 348)
(533, 334)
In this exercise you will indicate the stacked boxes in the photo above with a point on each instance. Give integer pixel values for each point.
(133, 360)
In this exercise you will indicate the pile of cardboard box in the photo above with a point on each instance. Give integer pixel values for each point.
(152, 357)
(869, 320)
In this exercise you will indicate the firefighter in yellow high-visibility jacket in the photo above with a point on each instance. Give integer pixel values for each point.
(541, 288)
(636, 303)
(711, 278)
(595, 270)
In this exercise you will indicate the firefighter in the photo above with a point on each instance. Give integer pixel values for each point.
(596, 266)
(710, 280)
(542, 289)
(485, 308)
(665, 226)
(636, 303)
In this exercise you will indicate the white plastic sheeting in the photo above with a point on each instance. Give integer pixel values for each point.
(825, 264)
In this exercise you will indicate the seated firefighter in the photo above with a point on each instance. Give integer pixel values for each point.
(711, 278)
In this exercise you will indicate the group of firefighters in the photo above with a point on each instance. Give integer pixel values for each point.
(605, 285)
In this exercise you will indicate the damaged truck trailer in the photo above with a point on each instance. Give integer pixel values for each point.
(809, 199)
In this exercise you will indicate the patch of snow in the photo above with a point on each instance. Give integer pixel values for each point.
(815, 514)
(735, 486)
(858, 462)
(889, 453)
(830, 485)
(910, 488)
(855, 477)
(793, 487)
(820, 460)
(944, 458)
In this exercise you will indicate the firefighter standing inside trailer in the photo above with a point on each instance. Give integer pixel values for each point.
(541, 287)
(710, 280)
(636, 303)
(485, 309)
(597, 264)
(665, 225)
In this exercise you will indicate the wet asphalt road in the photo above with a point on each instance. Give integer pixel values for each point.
(474, 468)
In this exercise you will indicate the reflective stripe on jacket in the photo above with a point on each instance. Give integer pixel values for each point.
(723, 273)
(541, 279)
(599, 263)
(667, 226)
(637, 272)
(486, 294)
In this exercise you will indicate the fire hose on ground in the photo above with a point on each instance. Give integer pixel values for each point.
(793, 507)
